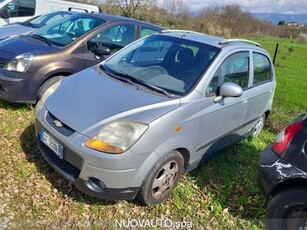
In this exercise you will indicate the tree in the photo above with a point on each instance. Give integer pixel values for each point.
(129, 8)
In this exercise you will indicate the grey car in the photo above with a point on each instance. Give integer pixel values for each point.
(133, 124)
(29, 26)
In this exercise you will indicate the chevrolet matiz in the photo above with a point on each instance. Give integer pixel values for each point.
(133, 124)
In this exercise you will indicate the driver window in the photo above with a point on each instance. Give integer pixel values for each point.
(234, 69)
(113, 38)
(21, 8)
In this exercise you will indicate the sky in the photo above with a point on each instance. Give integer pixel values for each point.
(255, 6)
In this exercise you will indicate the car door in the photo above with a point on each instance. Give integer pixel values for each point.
(260, 93)
(220, 123)
(20, 10)
(114, 37)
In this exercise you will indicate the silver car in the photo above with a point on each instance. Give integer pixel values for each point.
(133, 124)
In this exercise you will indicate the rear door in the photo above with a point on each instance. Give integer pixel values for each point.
(261, 89)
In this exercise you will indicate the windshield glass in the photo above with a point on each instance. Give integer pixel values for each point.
(64, 31)
(39, 21)
(172, 64)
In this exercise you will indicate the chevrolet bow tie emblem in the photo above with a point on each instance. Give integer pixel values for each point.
(58, 124)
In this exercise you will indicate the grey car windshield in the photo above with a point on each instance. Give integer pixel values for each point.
(66, 30)
(172, 64)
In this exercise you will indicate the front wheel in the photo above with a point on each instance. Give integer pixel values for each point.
(162, 179)
(288, 210)
(47, 84)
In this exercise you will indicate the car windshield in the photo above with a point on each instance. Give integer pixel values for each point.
(174, 65)
(39, 21)
(66, 30)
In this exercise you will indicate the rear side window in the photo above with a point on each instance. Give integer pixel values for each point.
(146, 31)
(262, 69)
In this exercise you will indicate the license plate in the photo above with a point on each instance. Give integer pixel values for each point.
(51, 143)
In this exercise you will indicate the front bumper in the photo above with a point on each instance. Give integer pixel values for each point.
(106, 176)
(18, 87)
(273, 170)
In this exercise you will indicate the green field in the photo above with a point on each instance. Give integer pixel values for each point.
(223, 194)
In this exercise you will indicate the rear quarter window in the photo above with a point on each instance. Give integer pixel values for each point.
(262, 69)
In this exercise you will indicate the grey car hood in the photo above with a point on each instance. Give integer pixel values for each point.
(88, 99)
(14, 29)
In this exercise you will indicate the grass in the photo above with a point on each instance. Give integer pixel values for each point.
(222, 194)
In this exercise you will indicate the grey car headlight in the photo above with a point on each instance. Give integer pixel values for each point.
(47, 93)
(20, 63)
(117, 137)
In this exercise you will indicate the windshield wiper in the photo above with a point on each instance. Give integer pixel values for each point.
(123, 76)
(118, 76)
(41, 38)
(147, 85)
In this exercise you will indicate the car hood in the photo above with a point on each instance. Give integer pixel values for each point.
(89, 99)
(11, 47)
(14, 29)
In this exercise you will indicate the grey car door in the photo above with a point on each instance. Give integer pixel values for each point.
(221, 123)
(261, 89)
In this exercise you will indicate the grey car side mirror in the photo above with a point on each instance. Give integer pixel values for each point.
(228, 89)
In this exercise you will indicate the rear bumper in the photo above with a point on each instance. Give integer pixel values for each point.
(274, 170)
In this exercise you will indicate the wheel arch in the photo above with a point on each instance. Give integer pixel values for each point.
(186, 156)
(288, 184)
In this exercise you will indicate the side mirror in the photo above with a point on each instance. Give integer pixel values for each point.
(6, 12)
(100, 51)
(229, 89)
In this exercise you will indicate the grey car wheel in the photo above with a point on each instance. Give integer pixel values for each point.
(258, 126)
(162, 179)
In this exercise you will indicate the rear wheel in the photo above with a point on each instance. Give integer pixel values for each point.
(162, 179)
(47, 84)
(258, 126)
(288, 210)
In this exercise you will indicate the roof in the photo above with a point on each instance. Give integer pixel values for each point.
(219, 42)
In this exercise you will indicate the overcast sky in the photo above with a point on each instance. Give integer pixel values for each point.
(256, 6)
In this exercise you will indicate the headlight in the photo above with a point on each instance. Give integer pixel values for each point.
(20, 63)
(47, 93)
(117, 137)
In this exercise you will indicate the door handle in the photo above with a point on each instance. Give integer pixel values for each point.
(244, 101)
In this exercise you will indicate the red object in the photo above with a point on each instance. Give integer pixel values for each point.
(285, 136)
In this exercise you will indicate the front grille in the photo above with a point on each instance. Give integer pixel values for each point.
(70, 166)
(3, 62)
(64, 130)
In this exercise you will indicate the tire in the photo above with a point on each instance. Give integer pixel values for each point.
(256, 130)
(162, 179)
(47, 84)
(288, 210)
